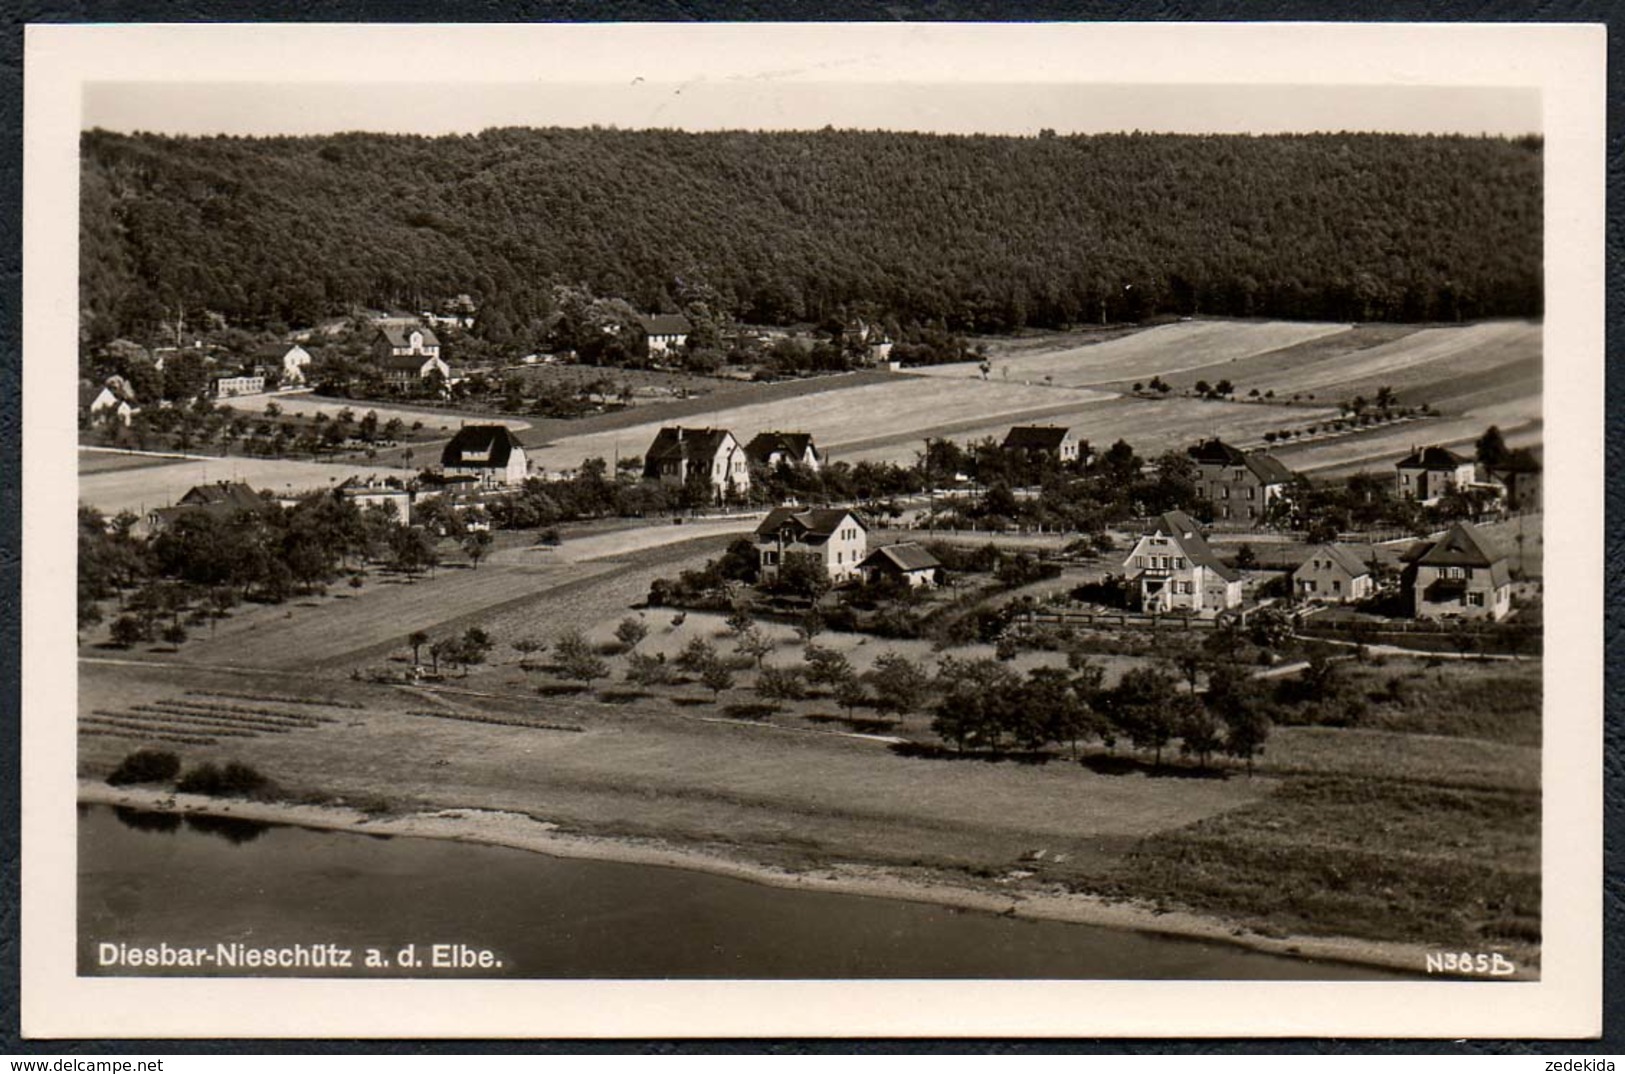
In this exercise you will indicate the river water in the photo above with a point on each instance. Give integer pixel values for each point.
(148, 879)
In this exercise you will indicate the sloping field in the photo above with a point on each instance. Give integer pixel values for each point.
(1150, 425)
(1444, 360)
(1163, 350)
(1380, 450)
(905, 407)
(303, 404)
(1252, 370)
(159, 486)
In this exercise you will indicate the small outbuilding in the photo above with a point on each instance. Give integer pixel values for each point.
(906, 562)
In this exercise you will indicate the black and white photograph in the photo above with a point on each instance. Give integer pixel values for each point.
(832, 529)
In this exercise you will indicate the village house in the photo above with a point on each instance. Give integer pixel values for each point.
(835, 535)
(1239, 484)
(227, 387)
(1520, 477)
(1428, 474)
(407, 353)
(294, 361)
(767, 450)
(1333, 573)
(372, 492)
(906, 562)
(1033, 441)
(1171, 568)
(489, 453)
(665, 332)
(678, 454)
(114, 395)
(1461, 575)
(221, 499)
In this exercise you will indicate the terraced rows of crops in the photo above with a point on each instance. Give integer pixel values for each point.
(200, 721)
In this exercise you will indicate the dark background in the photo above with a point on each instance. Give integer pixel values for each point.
(14, 14)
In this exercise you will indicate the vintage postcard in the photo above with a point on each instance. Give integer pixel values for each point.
(872, 530)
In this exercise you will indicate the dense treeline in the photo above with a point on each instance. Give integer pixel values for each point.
(971, 233)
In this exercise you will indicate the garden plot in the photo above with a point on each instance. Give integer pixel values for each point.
(1156, 351)
(201, 720)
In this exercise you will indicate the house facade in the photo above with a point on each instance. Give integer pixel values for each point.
(109, 397)
(1426, 475)
(294, 362)
(1460, 576)
(1055, 441)
(678, 454)
(665, 332)
(371, 492)
(907, 562)
(492, 454)
(768, 450)
(835, 535)
(1240, 485)
(226, 387)
(222, 499)
(1171, 568)
(1333, 573)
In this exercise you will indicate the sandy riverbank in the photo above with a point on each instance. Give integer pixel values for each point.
(522, 832)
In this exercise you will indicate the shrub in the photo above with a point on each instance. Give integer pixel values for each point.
(146, 766)
(233, 780)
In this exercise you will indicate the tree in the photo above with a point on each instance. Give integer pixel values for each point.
(127, 630)
(754, 644)
(412, 550)
(900, 684)
(1492, 448)
(1246, 731)
(476, 544)
(473, 647)
(417, 640)
(739, 620)
(1143, 707)
(849, 693)
(1246, 558)
(1186, 656)
(576, 658)
(647, 669)
(527, 647)
(1200, 730)
(716, 677)
(826, 667)
(810, 625)
(976, 700)
(696, 656)
(630, 631)
(780, 684)
(1056, 707)
(803, 574)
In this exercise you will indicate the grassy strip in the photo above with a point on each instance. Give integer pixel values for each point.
(289, 723)
(135, 721)
(282, 698)
(501, 721)
(225, 724)
(1362, 857)
(305, 718)
(108, 732)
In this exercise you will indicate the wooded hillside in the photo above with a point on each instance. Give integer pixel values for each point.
(975, 233)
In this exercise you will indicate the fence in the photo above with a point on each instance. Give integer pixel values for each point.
(1116, 620)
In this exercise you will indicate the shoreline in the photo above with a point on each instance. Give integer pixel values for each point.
(522, 832)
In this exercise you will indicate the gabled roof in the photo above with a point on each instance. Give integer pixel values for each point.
(816, 522)
(1267, 468)
(1188, 534)
(400, 335)
(665, 324)
(1463, 545)
(1432, 458)
(674, 443)
(494, 444)
(907, 556)
(413, 362)
(1343, 556)
(763, 446)
(1035, 437)
(223, 494)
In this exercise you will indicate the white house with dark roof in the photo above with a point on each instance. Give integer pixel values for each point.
(294, 361)
(407, 353)
(1461, 575)
(665, 331)
(1239, 484)
(490, 453)
(1333, 572)
(1171, 568)
(1055, 441)
(835, 535)
(906, 562)
(1427, 474)
(793, 449)
(678, 454)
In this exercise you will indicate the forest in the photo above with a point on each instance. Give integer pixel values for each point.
(965, 233)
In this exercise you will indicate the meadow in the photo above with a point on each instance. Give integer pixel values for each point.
(144, 488)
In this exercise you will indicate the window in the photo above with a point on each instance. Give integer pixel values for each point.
(1224, 492)
(1467, 572)
(838, 557)
(1475, 600)
(1337, 585)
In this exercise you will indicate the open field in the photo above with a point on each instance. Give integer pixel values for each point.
(141, 490)
(1162, 350)
(92, 461)
(305, 404)
(1151, 425)
(907, 407)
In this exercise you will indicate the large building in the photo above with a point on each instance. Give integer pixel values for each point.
(1240, 485)
(1461, 575)
(1427, 474)
(1171, 568)
(835, 535)
(678, 456)
(407, 354)
(1034, 441)
(490, 453)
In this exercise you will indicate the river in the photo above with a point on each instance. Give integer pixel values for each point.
(147, 879)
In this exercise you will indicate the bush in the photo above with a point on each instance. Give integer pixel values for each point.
(233, 780)
(146, 766)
